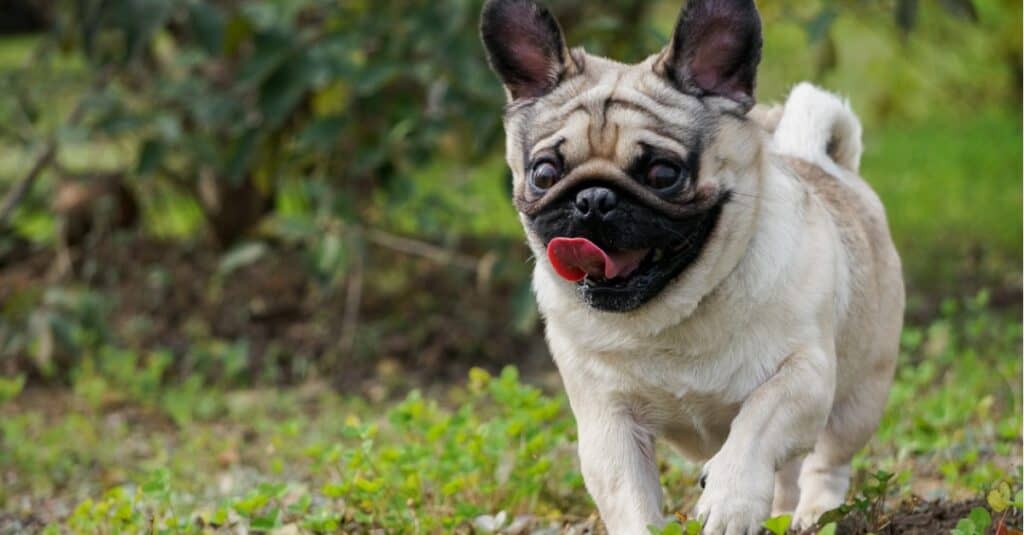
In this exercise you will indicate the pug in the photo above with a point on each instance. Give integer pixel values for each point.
(710, 272)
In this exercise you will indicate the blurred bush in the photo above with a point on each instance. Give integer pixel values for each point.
(247, 106)
(231, 102)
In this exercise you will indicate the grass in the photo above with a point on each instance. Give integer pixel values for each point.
(952, 190)
(124, 452)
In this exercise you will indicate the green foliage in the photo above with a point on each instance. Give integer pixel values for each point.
(323, 114)
(870, 501)
(687, 527)
(53, 327)
(1001, 498)
(484, 453)
(976, 523)
(828, 529)
(10, 387)
(950, 187)
(233, 103)
(504, 446)
(955, 376)
(778, 525)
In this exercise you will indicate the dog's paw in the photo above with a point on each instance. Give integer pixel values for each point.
(807, 518)
(737, 497)
(808, 513)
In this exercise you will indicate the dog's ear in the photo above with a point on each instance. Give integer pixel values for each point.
(525, 46)
(715, 50)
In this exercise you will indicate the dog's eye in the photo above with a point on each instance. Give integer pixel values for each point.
(544, 174)
(663, 175)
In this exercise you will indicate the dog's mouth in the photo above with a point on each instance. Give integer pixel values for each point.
(619, 280)
(576, 259)
(580, 261)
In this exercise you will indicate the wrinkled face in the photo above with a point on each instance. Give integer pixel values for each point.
(623, 172)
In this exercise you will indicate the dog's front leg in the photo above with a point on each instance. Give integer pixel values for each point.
(780, 419)
(617, 460)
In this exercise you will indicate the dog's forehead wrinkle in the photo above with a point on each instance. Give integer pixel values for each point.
(659, 140)
(545, 144)
(625, 129)
(610, 114)
(602, 136)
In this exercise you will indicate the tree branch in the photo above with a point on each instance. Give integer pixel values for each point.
(422, 249)
(45, 158)
(353, 302)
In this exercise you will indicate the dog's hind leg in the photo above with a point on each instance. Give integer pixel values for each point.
(825, 475)
(787, 490)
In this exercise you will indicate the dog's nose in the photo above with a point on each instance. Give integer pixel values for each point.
(595, 202)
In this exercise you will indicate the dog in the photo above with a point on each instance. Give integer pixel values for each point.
(711, 272)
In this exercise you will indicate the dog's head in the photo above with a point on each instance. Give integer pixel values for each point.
(625, 175)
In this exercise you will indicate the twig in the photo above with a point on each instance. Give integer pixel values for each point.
(19, 190)
(45, 158)
(422, 249)
(353, 301)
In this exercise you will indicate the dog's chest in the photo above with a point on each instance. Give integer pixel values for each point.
(685, 385)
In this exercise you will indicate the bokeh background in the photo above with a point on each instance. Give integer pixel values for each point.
(201, 197)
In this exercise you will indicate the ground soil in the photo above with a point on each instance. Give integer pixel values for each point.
(919, 517)
(909, 517)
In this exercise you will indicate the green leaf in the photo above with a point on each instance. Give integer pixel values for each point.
(673, 528)
(965, 527)
(268, 521)
(151, 156)
(284, 89)
(981, 518)
(240, 256)
(835, 515)
(331, 255)
(828, 529)
(272, 49)
(240, 160)
(159, 482)
(11, 387)
(778, 525)
(376, 77)
(208, 25)
(323, 133)
(997, 500)
(238, 30)
(301, 505)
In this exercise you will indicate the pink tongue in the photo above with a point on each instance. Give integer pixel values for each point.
(576, 258)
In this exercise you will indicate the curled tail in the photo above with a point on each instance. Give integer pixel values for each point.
(819, 127)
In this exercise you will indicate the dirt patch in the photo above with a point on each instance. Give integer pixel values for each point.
(418, 321)
(920, 517)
